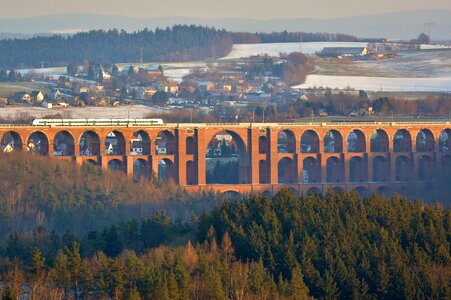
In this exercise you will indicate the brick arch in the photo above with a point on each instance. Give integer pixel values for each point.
(313, 190)
(34, 139)
(119, 138)
(425, 141)
(89, 145)
(167, 170)
(310, 141)
(286, 171)
(358, 169)
(381, 169)
(141, 169)
(379, 141)
(61, 150)
(402, 141)
(403, 168)
(311, 170)
(191, 145)
(444, 140)
(334, 170)
(191, 173)
(244, 165)
(286, 141)
(263, 144)
(165, 143)
(140, 143)
(115, 164)
(333, 141)
(11, 140)
(356, 141)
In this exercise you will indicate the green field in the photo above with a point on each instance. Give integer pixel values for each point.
(10, 88)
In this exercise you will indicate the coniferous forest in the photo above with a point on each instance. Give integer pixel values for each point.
(138, 242)
(179, 43)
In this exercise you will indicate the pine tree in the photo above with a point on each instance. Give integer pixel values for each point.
(297, 287)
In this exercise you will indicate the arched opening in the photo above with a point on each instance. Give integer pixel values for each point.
(190, 145)
(402, 141)
(89, 144)
(191, 173)
(263, 171)
(11, 141)
(140, 143)
(358, 170)
(334, 170)
(90, 162)
(227, 159)
(445, 141)
(379, 141)
(38, 143)
(333, 142)
(63, 144)
(311, 170)
(356, 141)
(381, 169)
(425, 141)
(286, 171)
(115, 143)
(286, 142)
(309, 142)
(115, 165)
(165, 143)
(313, 191)
(231, 195)
(403, 168)
(383, 191)
(363, 191)
(166, 170)
(263, 147)
(267, 194)
(426, 168)
(141, 170)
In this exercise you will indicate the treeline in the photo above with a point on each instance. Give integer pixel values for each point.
(179, 43)
(58, 195)
(336, 246)
(290, 37)
(346, 247)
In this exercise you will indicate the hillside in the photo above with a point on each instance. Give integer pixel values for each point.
(396, 25)
(178, 43)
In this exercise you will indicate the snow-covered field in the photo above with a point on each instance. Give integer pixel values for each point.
(274, 49)
(386, 84)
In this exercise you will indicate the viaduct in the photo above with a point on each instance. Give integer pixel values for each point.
(369, 157)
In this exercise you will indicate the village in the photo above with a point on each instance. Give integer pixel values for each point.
(251, 89)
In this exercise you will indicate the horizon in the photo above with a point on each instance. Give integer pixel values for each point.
(252, 9)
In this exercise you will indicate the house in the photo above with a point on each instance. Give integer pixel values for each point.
(23, 96)
(55, 95)
(343, 51)
(205, 86)
(46, 105)
(37, 96)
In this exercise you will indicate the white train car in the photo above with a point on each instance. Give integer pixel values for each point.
(97, 122)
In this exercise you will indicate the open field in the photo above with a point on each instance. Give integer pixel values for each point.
(9, 88)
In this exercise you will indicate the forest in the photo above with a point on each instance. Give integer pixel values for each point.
(79, 235)
(179, 43)
(290, 37)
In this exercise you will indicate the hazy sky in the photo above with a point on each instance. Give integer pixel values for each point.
(255, 9)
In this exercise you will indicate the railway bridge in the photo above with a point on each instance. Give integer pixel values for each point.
(369, 157)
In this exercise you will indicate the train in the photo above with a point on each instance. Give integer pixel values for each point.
(97, 122)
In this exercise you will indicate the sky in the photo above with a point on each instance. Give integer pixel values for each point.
(249, 9)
